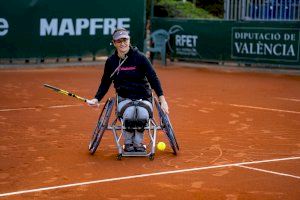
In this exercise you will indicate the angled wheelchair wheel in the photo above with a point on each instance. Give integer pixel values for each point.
(101, 125)
(167, 127)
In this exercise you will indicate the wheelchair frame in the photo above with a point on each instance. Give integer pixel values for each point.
(152, 128)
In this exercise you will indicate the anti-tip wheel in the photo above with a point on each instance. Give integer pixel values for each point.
(151, 156)
(119, 156)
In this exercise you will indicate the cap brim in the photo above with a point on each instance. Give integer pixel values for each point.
(121, 36)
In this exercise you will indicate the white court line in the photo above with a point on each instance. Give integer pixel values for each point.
(32, 108)
(262, 108)
(288, 99)
(16, 109)
(65, 106)
(270, 172)
(144, 175)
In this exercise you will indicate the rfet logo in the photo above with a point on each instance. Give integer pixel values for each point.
(3, 27)
(186, 40)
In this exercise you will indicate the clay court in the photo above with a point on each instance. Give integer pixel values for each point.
(238, 133)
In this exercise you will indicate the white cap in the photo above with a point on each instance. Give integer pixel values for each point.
(121, 34)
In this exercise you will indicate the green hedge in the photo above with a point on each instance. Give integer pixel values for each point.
(180, 9)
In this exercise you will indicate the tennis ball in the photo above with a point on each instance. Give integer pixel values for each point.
(161, 146)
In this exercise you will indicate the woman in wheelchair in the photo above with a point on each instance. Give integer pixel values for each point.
(134, 78)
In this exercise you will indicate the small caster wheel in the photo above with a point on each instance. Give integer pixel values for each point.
(151, 156)
(119, 156)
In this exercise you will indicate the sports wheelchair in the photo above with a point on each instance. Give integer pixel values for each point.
(117, 127)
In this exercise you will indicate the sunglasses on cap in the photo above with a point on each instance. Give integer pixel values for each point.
(121, 40)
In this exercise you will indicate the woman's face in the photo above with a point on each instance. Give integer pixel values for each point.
(122, 45)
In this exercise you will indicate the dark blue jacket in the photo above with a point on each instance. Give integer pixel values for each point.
(133, 80)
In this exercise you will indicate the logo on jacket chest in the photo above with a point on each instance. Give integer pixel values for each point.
(128, 68)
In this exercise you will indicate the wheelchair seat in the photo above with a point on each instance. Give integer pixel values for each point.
(135, 103)
(133, 124)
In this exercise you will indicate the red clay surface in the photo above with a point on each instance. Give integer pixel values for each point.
(219, 118)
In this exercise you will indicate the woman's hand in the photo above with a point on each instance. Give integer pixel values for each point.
(163, 104)
(93, 102)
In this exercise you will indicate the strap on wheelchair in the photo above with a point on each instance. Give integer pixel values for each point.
(136, 103)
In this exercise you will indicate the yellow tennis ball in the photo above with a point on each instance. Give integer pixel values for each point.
(161, 146)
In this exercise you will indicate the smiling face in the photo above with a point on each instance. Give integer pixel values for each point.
(121, 41)
(122, 45)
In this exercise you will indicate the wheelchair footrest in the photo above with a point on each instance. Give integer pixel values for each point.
(134, 153)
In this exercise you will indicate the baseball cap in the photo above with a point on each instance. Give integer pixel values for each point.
(121, 34)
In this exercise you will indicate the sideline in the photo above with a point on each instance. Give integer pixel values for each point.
(49, 107)
(288, 99)
(22, 65)
(263, 108)
(35, 108)
(145, 175)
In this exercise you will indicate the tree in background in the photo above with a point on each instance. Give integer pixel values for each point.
(215, 7)
(178, 9)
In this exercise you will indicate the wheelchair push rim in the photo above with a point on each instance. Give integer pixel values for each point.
(167, 128)
(101, 125)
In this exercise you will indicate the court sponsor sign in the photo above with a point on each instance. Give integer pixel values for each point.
(264, 43)
(54, 28)
(81, 26)
(3, 27)
(276, 44)
(185, 45)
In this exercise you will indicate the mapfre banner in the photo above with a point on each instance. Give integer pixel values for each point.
(66, 28)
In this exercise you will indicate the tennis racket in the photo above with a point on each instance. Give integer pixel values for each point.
(65, 92)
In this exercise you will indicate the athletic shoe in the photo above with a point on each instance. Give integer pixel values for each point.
(128, 148)
(141, 148)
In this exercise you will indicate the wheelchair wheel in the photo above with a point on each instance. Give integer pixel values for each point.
(167, 127)
(101, 125)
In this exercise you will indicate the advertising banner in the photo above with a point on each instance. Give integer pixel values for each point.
(280, 44)
(66, 28)
(274, 43)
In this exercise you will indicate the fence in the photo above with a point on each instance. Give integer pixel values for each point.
(274, 10)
